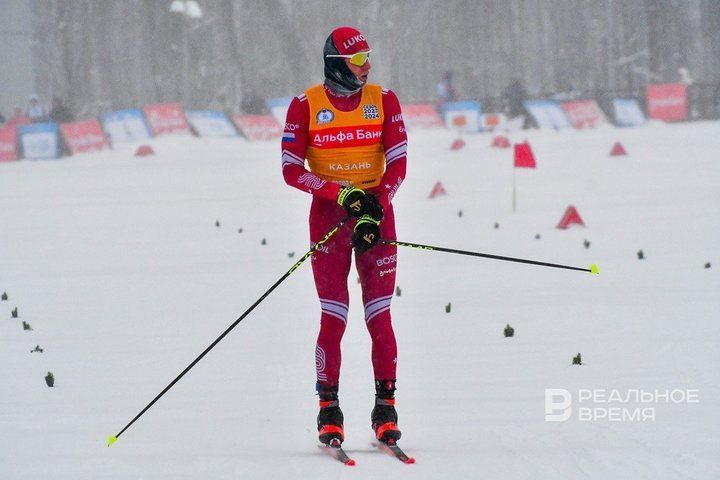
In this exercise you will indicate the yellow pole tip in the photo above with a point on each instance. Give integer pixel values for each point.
(111, 439)
(594, 269)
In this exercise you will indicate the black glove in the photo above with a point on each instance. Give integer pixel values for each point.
(352, 200)
(373, 208)
(357, 203)
(365, 234)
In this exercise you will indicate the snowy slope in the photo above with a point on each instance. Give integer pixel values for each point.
(117, 264)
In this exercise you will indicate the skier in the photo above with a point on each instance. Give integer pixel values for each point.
(353, 137)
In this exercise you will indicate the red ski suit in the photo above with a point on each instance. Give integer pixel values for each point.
(331, 263)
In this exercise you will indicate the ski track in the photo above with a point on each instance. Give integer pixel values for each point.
(117, 264)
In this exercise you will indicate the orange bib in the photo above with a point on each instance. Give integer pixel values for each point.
(346, 147)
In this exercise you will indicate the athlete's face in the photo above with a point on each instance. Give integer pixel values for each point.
(360, 72)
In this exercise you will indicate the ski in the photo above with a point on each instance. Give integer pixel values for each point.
(337, 452)
(392, 448)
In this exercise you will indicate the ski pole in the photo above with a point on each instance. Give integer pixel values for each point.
(593, 268)
(113, 438)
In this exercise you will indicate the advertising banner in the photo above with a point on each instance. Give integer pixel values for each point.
(584, 113)
(210, 123)
(166, 118)
(39, 141)
(547, 113)
(125, 126)
(86, 136)
(667, 101)
(258, 127)
(627, 112)
(491, 121)
(8, 143)
(421, 115)
(278, 108)
(470, 110)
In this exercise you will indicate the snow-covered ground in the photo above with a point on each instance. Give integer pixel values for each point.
(117, 265)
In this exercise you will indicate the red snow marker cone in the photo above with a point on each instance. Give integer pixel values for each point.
(617, 150)
(437, 190)
(458, 122)
(500, 141)
(524, 156)
(570, 217)
(457, 144)
(144, 151)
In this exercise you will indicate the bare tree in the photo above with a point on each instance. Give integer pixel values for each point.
(103, 55)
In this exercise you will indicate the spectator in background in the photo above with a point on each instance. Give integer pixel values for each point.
(35, 111)
(446, 91)
(684, 76)
(18, 118)
(60, 113)
(515, 95)
(2, 120)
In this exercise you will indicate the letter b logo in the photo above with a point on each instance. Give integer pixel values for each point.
(557, 405)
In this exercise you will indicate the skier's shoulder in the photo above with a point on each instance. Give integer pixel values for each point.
(299, 103)
(384, 90)
(298, 111)
(300, 98)
(390, 100)
(378, 88)
(314, 90)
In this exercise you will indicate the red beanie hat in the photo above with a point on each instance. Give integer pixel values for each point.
(348, 41)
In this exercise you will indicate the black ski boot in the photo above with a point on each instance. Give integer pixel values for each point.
(330, 419)
(384, 417)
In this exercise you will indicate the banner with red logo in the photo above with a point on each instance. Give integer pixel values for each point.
(464, 116)
(584, 113)
(8, 143)
(421, 116)
(491, 121)
(166, 118)
(84, 136)
(258, 127)
(667, 101)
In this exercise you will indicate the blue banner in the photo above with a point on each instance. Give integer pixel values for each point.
(40, 141)
(211, 123)
(628, 113)
(125, 126)
(547, 113)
